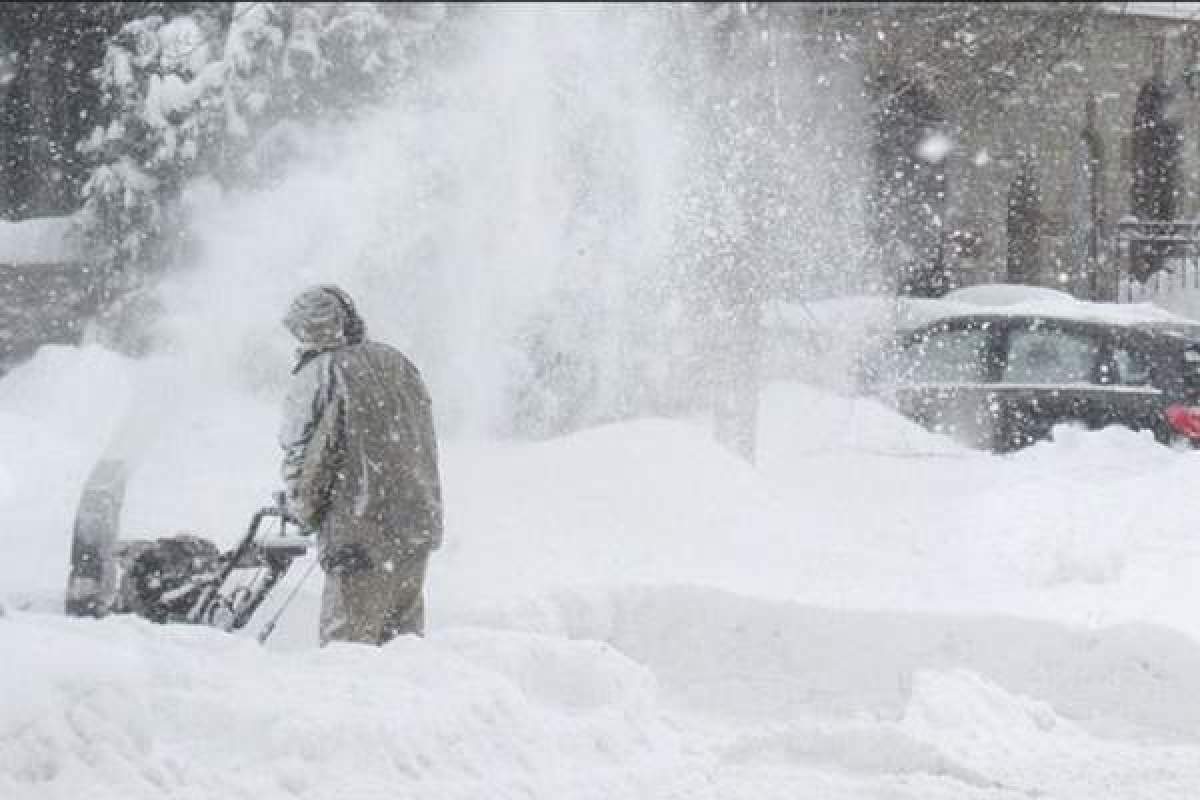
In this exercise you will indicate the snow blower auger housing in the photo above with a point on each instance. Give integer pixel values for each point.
(179, 578)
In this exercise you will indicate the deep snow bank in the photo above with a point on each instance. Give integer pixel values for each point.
(652, 692)
(124, 709)
(752, 659)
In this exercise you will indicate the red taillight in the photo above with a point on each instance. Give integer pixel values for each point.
(1184, 420)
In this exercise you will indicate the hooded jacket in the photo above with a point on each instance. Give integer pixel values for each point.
(360, 452)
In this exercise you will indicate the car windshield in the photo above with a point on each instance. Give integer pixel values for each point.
(1132, 367)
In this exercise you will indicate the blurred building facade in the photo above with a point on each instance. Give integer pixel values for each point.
(1017, 142)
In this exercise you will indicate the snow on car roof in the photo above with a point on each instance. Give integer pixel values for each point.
(1172, 11)
(1011, 300)
(907, 313)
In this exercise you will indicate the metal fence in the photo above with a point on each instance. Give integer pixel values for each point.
(1178, 241)
(1180, 276)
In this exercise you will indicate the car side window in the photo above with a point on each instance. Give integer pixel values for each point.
(1050, 356)
(1133, 368)
(947, 357)
(1191, 372)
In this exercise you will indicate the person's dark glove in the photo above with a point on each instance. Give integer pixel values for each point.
(293, 515)
(346, 559)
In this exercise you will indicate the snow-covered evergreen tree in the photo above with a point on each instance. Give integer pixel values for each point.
(310, 61)
(186, 97)
(161, 83)
(206, 94)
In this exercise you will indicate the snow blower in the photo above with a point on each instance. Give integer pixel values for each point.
(182, 578)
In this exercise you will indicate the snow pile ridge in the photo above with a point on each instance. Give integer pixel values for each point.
(1014, 299)
(962, 702)
(167, 711)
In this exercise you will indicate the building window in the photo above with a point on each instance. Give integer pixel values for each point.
(1085, 210)
(1157, 143)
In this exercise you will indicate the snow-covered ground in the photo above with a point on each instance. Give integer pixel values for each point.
(630, 611)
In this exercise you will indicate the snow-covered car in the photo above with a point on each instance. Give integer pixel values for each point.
(1003, 380)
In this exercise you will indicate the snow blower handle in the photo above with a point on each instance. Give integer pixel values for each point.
(273, 552)
(285, 514)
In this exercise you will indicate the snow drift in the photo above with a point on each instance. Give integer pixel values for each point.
(632, 611)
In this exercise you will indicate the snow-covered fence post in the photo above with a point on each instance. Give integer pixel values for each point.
(731, 220)
(749, 131)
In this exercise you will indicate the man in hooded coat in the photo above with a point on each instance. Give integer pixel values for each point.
(360, 467)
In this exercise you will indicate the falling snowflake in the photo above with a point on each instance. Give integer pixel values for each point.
(935, 147)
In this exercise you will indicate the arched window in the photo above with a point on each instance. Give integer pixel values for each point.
(1024, 219)
(907, 202)
(1086, 213)
(1157, 142)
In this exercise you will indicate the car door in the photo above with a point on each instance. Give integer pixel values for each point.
(943, 377)
(1050, 375)
(1137, 378)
